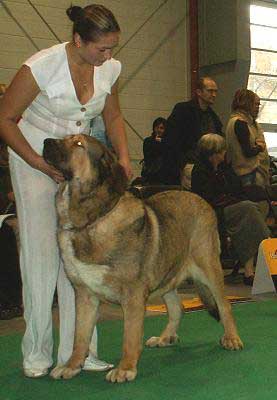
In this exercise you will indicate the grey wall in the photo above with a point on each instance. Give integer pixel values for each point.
(153, 51)
(225, 47)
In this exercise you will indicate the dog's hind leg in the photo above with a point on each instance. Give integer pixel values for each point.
(86, 316)
(169, 335)
(208, 279)
(133, 307)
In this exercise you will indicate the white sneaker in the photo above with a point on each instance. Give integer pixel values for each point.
(35, 372)
(94, 364)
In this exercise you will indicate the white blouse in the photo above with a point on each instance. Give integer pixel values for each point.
(56, 111)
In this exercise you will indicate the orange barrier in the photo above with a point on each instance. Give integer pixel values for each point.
(192, 304)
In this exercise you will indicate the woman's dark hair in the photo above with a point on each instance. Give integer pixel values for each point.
(159, 121)
(91, 22)
(244, 100)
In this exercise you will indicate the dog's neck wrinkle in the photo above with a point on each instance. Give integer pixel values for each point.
(104, 202)
(83, 211)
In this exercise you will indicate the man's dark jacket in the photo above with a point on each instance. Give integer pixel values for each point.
(182, 134)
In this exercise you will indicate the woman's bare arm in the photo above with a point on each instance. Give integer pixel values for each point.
(116, 130)
(19, 95)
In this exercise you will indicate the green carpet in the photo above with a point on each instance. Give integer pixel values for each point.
(195, 369)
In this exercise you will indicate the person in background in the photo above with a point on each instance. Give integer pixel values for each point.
(57, 91)
(10, 280)
(98, 131)
(214, 180)
(186, 124)
(152, 152)
(246, 147)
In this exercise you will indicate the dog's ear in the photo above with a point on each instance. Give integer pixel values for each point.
(111, 171)
(95, 149)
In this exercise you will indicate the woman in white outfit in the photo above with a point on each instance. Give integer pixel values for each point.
(57, 92)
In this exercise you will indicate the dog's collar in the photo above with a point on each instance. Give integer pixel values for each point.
(71, 228)
(67, 227)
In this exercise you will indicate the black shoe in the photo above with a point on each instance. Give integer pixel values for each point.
(248, 280)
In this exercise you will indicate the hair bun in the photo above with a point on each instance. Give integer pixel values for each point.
(75, 12)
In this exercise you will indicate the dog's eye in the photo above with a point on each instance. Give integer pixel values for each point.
(79, 144)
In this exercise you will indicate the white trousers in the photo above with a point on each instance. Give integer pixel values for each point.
(41, 269)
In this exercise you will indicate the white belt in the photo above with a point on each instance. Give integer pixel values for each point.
(58, 129)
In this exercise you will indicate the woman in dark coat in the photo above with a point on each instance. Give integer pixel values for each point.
(216, 182)
(152, 153)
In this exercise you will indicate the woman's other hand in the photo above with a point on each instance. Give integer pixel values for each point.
(125, 163)
(261, 143)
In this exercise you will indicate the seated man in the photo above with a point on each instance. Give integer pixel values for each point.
(216, 182)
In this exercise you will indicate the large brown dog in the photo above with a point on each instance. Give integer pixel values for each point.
(120, 249)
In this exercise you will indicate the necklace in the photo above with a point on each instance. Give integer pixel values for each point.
(89, 77)
(81, 74)
(85, 83)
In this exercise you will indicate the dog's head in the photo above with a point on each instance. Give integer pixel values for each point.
(86, 159)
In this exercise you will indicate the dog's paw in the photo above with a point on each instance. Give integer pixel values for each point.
(231, 342)
(64, 372)
(117, 375)
(159, 341)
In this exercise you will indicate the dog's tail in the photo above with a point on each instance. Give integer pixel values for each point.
(208, 299)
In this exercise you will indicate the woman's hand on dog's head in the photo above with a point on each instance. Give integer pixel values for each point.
(41, 165)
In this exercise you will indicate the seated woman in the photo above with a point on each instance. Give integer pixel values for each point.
(152, 153)
(216, 182)
(246, 147)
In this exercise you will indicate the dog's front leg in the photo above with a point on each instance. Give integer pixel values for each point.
(86, 316)
(133, 314)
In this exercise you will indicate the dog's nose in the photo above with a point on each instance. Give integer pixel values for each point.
(49, 145)
(48, 141)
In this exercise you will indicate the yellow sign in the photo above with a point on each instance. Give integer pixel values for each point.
(269, 247)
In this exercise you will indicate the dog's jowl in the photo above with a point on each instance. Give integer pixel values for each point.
(122, 249)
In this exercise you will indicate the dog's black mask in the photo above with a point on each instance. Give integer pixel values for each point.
(55, 154)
